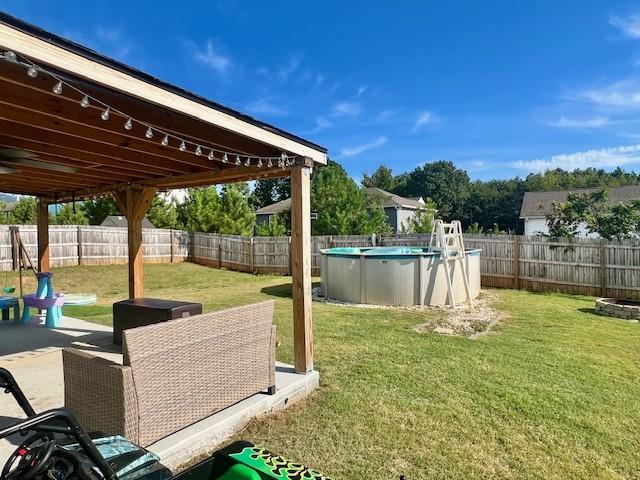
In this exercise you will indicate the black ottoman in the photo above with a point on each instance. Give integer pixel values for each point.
(138, 312)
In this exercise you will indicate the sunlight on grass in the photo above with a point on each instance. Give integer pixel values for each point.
(553, 393)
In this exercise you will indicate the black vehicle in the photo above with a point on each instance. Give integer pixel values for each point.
(55, 447)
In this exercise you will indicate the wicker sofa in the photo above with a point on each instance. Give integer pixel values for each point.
(173, 374)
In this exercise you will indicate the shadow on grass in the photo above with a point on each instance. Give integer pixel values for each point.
(283, 290)
(590, 311)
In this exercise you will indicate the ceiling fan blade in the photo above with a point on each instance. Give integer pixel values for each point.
(29, 162)
(16, 153)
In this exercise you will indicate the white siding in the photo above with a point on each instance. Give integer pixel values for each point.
(538, 225)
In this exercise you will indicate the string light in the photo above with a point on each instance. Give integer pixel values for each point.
(34, 70)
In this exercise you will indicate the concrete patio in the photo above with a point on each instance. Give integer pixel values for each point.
(33, 355)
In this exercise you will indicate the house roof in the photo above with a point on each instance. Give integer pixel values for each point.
(389, 200)
(121, 221)
(278, 207)
(392, 200)
(538, 204)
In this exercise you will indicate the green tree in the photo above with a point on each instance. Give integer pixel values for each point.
(235, 215)
(163, 212)
(278, 226)
(97, 210)
(70, 215)
(447, 185)
(342, 207)
(268, 191)
(566, 218)
(25, 212)
(382, 178)
(198, 211)
(422, 220)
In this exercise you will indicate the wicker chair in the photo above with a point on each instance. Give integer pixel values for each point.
(173, 374)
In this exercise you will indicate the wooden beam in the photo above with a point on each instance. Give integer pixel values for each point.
(43, 236)
(47, 53)
(134, 203)
(301, 268)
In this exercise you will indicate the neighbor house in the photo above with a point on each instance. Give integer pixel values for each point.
(121, 222)
(536, 205)
(398, 209)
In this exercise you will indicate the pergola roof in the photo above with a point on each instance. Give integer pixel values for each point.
(101, 156)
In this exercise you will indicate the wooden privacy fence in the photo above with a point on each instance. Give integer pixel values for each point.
(583, 266)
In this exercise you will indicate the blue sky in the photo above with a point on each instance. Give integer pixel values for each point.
(501, 88)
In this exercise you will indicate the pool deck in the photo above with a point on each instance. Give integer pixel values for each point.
(33, 354)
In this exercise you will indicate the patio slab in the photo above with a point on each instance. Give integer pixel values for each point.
(37, 367)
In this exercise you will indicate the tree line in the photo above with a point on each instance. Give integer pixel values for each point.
(343, 207)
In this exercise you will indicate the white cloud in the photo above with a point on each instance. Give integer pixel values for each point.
(322, 123)
(211, 56)
(585, 123)
(623, 94)
(423, 118)
(361, 90)
(358, 149)
(629, 25)
(602, 158)
(292, 65)
(345, 109)
(266, 106)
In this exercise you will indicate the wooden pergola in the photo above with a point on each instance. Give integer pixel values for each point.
(68, 152)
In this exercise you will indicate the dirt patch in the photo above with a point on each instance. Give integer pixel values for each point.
(472, 321)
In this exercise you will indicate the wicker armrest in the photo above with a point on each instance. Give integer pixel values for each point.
(100, 393)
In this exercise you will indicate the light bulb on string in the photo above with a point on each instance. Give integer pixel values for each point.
(57, 88)
(198, 150)
(259, 163)
(238, 161)
(32, 71)
(270, 163)
(105, 114)
(84, 103)
(11, 56)
(225, 158)
(247, 162)
(165, 141)
(183, 146)
(211, 156)
(128, 125)
(149, 133)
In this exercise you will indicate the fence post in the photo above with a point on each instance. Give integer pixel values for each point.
(219, 251)
(516, 262)
(14, 248)
(603, 267)
(80, 261)
(171, 245)
(252, 268)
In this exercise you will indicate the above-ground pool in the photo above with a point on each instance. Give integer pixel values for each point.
(395, 276)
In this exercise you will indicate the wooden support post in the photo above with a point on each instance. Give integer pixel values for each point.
(301, 267)
(516, 262)
(134, 204)
(171, 246)
(603, 267)
(43, 236)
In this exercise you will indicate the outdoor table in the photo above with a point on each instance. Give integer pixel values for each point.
(6, 304)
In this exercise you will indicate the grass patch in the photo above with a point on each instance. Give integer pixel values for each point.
(552, 393)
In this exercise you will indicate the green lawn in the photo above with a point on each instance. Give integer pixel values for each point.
(552, 393)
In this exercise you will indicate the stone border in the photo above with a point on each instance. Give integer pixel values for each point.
(612, 307)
